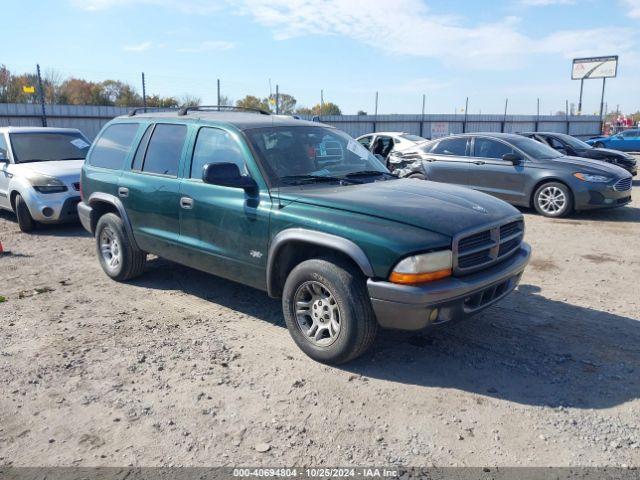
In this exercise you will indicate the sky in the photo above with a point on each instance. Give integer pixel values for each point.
(487, 50)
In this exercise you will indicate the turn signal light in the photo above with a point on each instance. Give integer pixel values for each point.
(415, 278)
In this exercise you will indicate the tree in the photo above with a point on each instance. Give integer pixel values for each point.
(328, 108)
(121, 94)
(361, 112)
(251, 101)
(158, 101)
(190, 101)
(287, 103)
(225, 100)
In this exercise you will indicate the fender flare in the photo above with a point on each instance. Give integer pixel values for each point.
(115, 201)
(314, 237)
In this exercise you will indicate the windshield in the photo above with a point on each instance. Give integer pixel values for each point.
(535, 149)
(47, 147)
(294, 154)
(574, 142)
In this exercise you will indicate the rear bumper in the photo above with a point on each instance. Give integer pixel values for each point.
(84, 214)
(412, 307)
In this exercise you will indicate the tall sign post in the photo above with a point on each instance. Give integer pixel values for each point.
(594, 68)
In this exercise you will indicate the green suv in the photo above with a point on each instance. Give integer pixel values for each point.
(302, 211)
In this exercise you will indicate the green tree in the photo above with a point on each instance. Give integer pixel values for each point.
(328, 108)
(251, 101)
(287, 103)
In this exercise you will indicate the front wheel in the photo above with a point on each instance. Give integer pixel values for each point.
(25, 220)
(553, 199)
(327, 310)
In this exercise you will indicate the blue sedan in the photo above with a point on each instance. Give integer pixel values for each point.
(626, 141)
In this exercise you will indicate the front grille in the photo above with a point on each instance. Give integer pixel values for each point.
(76, 186)
(622, 185)
(484, 248)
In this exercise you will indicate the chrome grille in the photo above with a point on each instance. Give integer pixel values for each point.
(481, 249)
(623, 185)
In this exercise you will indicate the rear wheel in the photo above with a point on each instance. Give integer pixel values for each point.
(25, 220)
(553, 199)
(119, 258)
(327, 310)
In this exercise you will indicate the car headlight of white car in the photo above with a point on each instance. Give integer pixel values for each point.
(46, 184)
(587, 177)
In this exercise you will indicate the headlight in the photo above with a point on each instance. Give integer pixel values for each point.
(586, 177)
(423, 268)
(46, 184)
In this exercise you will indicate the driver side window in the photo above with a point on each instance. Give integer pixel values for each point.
(215, 146)
(3, 148)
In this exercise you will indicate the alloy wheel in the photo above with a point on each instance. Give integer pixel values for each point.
(552, 200)
(317, 313)
(110, 248)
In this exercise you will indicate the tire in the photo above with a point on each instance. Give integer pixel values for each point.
(598, 145)
(25, 220)
(553, 200)
(119, 258)
(419, 176)
(341, 298)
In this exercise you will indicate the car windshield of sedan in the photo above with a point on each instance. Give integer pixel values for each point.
(296, 155)
(48, 147)
(536, 149)
(574, 142)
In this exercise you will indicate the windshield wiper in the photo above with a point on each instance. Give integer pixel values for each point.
(367, 173)
(293, 179)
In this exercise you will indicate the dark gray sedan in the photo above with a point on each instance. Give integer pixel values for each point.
(519, 170)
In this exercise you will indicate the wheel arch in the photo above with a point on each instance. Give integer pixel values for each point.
(102, 203)
(292, 246)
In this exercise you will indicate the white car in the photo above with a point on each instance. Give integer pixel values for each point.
(383, 143)
(40, 173)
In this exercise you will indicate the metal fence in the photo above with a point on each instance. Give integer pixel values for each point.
(91, 118)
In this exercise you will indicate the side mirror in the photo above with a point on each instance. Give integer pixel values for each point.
(227, 175)
(512, 157)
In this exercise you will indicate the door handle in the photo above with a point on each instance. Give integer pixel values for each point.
(123, 192)
(186, 203)
(479, 162)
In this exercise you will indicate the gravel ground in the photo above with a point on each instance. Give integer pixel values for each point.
(182, 368)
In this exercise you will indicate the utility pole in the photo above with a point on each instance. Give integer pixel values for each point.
(504, 118)
(321, 101)
(144, 93)
(376, 109)
(580, 99)
(464, 122)
(537, 114)
(602, 106)
(41, 91)
(277, 99)
(424, 104)
(218, 95)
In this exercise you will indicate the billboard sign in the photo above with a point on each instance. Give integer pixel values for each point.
(439, 129)
(594, 67)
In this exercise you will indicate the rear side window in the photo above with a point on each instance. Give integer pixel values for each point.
(215, 146)
(165, 147)
(366, 141)
(451, 146)
(113, 145)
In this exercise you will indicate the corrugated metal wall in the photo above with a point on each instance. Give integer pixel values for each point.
(91, 118)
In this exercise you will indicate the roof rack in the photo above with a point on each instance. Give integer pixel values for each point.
(195, 108)
(135, 111)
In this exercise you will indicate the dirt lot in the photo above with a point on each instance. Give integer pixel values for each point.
(182, 368)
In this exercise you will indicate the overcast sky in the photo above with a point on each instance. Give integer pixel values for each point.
(484, 49)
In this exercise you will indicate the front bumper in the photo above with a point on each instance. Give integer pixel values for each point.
(54, 207)
(412, 307)
(593, 196)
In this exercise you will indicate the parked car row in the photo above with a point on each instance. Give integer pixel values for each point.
(308, 214)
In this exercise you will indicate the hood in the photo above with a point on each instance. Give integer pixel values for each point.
(438, 207)
(596, 167)
(609, 153)
(60, 169)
